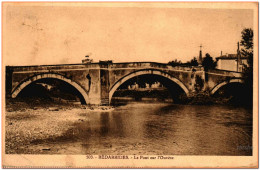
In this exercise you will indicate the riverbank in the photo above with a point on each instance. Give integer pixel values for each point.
(25, 126)
(163, 95)
(198, 99)
(38, 121)
(204, 98)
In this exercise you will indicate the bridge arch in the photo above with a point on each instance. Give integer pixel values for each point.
(217, 87)
(144, 72)
(28, 81)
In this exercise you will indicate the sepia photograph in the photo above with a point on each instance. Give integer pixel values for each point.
(129, 84)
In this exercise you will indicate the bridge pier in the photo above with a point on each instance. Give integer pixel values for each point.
(104, 83)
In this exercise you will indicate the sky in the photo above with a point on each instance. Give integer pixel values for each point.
(35, 35)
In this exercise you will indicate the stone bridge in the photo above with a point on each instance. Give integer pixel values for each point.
(97, 82)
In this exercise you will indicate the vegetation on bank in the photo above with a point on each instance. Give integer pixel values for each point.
(248, 51)
(202, 98)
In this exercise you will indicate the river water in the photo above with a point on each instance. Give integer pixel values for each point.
(161, 129)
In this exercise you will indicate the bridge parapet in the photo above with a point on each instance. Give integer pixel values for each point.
(225, 73)
(144, 65)
(53, 67)
(133, 65)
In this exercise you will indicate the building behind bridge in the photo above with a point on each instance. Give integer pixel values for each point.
(231, 62)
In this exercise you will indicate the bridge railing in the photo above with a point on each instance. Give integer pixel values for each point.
(225, 73)
(153, 65)
(103, 65)
(53, 67)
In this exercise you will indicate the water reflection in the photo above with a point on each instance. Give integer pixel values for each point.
(104, 124)
(119, 127)
(156, 128)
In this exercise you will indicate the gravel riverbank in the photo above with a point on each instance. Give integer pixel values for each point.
(27, 124)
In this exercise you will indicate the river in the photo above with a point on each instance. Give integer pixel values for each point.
(159, 129)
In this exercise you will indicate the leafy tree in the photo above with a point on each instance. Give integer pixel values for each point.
(208, 62)
(175, 63)
(194, 62)
(247, 50)
(247, 44)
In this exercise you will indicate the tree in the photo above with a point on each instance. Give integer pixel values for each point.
(194, 62)
(247, 45)
(247, 51)
(175, 63)
(208, 62)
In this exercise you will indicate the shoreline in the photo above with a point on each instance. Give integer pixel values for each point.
(52, 105)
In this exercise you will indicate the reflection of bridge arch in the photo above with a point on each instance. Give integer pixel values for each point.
(144, 72)
(28, 81)
(215, 89)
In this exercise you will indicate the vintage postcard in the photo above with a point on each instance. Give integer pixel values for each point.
(130, 84)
